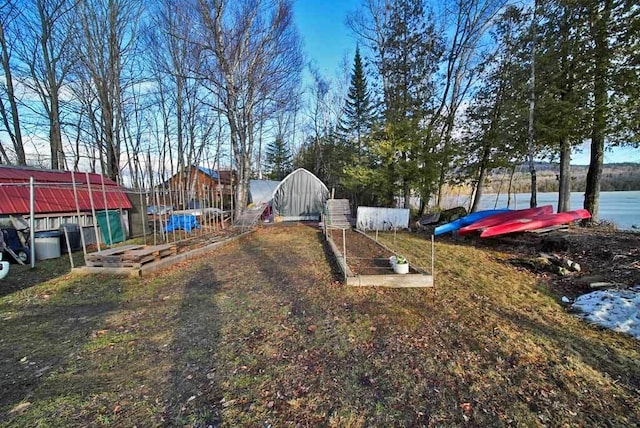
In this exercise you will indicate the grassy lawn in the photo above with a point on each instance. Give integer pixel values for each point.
(262, 333)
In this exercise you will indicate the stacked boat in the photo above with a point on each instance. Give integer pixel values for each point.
(500, 222)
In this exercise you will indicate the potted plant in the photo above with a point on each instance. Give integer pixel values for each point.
(401, 266)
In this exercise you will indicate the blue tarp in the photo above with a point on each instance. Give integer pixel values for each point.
(185, 222)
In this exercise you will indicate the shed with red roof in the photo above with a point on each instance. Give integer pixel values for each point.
(55, 201)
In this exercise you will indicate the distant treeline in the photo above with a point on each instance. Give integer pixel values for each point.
(615, 177)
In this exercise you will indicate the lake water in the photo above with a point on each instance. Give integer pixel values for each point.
(621, 208)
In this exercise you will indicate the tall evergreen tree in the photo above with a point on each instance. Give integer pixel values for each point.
(613, 38)
(278, 159)
(408, 60)
(355, 126)
(358, 111)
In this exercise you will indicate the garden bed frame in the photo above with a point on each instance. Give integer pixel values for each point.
(416, 278)
(158, 264)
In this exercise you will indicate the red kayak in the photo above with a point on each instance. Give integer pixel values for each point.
(535, 222)
(505, 217)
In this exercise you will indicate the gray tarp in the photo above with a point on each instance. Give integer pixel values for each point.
(300, 196)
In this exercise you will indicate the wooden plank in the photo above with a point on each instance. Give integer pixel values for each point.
(345, 269)
(599, 285)
(114, 264)
(104, 259)
(117, 250)
(391, 281)
(340, 224)
(548, 229)
(14, 255)
(136, 254)
(163, 247)
(132, 272)
(147, 259)
(157, 251)
(169, 252)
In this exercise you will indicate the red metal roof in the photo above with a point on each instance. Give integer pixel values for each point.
(53, 191)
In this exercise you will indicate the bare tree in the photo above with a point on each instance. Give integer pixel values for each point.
(253, 62)
(46, 50)
(106, 46)
(169, 49)
(471, 20)
(10, 118)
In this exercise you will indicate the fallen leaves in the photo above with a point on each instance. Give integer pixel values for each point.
(466, 408)
(296, 345)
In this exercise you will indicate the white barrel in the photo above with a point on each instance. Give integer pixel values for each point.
(47, 245)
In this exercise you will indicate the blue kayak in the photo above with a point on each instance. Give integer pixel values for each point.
(466, 221)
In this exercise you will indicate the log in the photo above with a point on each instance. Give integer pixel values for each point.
(562, 262)
(599, 285)
(540, 264)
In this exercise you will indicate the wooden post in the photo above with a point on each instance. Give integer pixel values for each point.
(157, 218)
(93, 211)
(66, 238)
(165, 233)
(143, 216)
(75, 195)
(433, 258)
(106, 211)
(344, 252)
(32, 223)
(324, 225)
(203, 219)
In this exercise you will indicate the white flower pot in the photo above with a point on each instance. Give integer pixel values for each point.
(401, 268)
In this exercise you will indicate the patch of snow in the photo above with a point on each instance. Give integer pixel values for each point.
(618, 310)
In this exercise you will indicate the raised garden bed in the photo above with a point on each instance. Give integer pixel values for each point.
(139, 260)
(367, 262)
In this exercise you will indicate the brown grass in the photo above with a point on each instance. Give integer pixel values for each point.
(262, 333)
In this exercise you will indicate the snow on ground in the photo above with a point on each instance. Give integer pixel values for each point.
(618, 310)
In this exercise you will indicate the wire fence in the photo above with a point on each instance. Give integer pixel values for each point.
(107, 214)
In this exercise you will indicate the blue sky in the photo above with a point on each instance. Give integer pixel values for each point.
(328, 42)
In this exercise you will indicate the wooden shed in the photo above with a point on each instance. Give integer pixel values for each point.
(196, 187)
